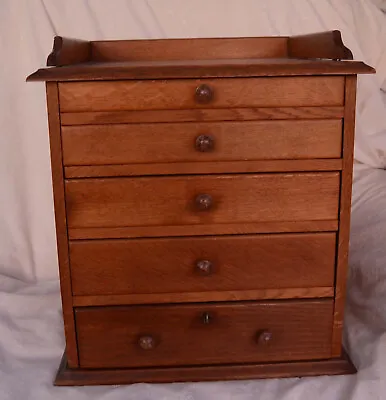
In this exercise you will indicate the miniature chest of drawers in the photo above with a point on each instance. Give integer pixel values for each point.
(202, 200)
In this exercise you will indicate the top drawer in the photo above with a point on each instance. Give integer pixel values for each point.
(204, 93)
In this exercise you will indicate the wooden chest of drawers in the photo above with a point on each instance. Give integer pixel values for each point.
(202, 199)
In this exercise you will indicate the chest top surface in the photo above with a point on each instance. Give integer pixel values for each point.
(313, 54)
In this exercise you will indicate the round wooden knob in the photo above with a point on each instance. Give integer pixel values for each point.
(204, 143)
(204, 266)
(146, 342)
(264, 337)
(204, 202)
(206, 318)
(204, 94)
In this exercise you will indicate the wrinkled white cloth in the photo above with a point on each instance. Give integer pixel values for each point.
(31, 339)
(381, 4)
(27, 27)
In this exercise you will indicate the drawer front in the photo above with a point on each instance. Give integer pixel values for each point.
(202, 264)
(190, 142)
(201, 200)
(205, 93)
(139, 336)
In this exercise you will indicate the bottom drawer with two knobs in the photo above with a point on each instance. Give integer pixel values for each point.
(205, 333)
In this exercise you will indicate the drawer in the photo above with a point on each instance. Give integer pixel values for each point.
(204, 93)
(195, 142)
(200, 200)
(207, 333)
(202, 264)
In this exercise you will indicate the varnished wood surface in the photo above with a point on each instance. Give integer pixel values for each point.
(195, 115)
(102, 171)
(319, 45)
(60, 222)
(325, 45)
(194, 297)
(197, 230)
(138, 266)
(344, 214)
(177, 142)
(334, 366)
(180, 93)
(67, 51)
(108, 336)
(223, 231)
(193, 58)
(188, 49)
(225, 68)
(171, 201)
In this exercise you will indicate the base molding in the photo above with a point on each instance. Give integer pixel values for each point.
(80, 376)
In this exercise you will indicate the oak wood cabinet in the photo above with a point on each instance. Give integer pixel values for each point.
(202, 199)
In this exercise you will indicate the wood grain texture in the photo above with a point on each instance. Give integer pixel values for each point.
(189, 49)
(108, 336)
(180, 93)
(102, 267)
(197, 230)
(61, 223)
(195, 58)
(191, 69)
(68, 51)
(344, 214)
(206, 114)
(319, 45)
(177, 142)
(170, 201)
(103, 171)
(332, 366)
(195, 297)
(202, 156)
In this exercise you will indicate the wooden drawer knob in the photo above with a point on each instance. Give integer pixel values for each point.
(264, 337)
(206, 318)
(204, 94)
(204, 202)
(204, 266)
(204, 143)
(146, 342)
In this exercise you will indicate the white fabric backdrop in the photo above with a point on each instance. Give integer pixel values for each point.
(27, 27)
(31, 333)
